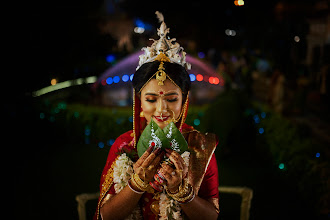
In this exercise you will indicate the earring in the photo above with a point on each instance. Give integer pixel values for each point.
(142, 114)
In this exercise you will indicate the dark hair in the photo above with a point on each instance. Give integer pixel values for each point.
(175, 71)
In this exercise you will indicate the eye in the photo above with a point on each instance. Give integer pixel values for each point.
(151, 100)
(172, 100)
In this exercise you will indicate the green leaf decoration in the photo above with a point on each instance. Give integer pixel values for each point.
(176, 139)
(152, 134)
(169, 137)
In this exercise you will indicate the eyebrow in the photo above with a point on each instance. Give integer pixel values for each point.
(167, 94)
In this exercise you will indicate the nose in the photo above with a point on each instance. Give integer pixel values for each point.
(161, 106)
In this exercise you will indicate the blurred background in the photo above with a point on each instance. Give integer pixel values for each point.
(260, 81)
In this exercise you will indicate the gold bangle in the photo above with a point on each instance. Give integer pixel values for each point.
(139, 183)
(184, 189)
(188, 196)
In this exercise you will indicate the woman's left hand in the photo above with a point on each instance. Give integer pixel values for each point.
(174, 176)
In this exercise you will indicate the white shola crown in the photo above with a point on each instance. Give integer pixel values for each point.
(173, 50)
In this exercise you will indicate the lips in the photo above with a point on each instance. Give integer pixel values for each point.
(161, 119)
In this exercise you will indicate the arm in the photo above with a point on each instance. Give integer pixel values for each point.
(199, 208)
(122, 204)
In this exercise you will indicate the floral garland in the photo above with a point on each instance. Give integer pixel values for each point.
(122, 172)
(123, 169)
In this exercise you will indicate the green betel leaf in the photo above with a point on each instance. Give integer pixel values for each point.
(152, 134)
(176, 139)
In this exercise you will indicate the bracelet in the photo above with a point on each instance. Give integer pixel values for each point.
(139, 183)
(188, 200)
(129, 185)
(186, 193)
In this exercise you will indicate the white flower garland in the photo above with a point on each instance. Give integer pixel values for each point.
(122, 172)
(123, 169)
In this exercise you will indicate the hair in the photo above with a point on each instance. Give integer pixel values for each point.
(175, 71)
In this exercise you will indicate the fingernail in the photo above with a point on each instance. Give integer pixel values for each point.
(149, 150)
(168, 155)
(157, 151)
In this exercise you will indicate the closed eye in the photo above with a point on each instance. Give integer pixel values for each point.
(172, 100)
(151, 100)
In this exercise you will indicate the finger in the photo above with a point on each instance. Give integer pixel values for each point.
(156, 161)
(144, 156)
(176, 160)
(167, 168)
(151, 157)
(166, 174)
(175, 154)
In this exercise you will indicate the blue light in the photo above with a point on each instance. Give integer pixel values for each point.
(130, 119)
(261, 130)
(192, 77)
(125, 78)
(139, 23)
(111, 58)
(263, 114)
(87, 131)
(201, 55)
(101, 144)
(116, 79)
(317, 155)
(110, 142)
(131, 77)
(109, 80)
(256, 119)
(197, 122)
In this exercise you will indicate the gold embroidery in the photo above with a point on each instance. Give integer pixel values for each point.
(215, 202)
(108, 181)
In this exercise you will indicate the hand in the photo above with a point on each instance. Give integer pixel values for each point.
(174, 176)
(147, 165)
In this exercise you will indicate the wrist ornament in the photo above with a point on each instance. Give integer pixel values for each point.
(185, 194)
(140, 184)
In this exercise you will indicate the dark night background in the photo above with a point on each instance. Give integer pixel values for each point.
(61, 139)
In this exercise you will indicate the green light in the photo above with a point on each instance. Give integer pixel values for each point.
(281, 166)
(197, 122)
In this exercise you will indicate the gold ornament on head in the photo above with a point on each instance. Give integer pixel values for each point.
(164, 50)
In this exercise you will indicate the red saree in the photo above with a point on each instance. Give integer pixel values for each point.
(203, 169)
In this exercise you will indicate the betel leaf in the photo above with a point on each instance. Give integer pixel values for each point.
(176, 139)
(152, 134)
(169, 137)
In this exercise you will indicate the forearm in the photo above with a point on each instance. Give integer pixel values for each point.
(199, 208)
(120, 205)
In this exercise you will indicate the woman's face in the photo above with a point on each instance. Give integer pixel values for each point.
(162, 103)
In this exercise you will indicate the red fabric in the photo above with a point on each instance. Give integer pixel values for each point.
(210, 183)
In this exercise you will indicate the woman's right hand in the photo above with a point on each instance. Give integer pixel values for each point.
(147, 165)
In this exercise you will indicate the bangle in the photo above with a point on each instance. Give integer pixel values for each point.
(129, 185)
(186, 193)
(139, 183)
(188, 200)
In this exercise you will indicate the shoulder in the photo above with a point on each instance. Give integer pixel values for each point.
(122, 143)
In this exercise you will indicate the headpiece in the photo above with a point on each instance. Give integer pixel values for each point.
(163, 50)
(173, 51)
